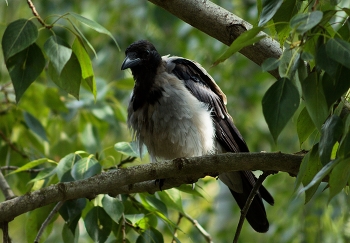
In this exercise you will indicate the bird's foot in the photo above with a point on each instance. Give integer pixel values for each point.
(160, 182)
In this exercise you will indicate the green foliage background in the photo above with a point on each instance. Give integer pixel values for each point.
(96, 125)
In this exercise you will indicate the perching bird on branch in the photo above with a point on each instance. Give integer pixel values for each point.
(177, 110)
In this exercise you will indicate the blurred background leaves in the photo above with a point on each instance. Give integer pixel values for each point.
(96, 122)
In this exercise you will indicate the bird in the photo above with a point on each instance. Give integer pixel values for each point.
(177, 110)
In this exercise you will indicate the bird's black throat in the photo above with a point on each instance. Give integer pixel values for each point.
(145, 92)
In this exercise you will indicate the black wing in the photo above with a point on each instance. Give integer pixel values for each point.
(204, 88)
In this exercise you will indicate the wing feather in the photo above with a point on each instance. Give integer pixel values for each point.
(205, 89)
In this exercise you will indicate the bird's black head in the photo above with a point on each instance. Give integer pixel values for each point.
(140, 56)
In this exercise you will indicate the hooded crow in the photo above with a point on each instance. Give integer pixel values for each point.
(177, 110)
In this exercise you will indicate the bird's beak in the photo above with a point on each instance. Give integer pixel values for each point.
(130, 61)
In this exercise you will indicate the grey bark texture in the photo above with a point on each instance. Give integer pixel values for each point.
(221, 25)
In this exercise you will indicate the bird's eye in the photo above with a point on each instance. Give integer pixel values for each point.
(145, 53)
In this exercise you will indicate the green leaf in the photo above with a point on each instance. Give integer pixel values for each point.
(150, 220)
(313, 167)
(158, 204)
(347, 124)
(113, 207)
(306, 21)
(309, 167)
(302, 170)
(289, 63)
(335, 86)
(324, 23)
(245, 39)
(72, 209)
(46, 173)
(282, 17)
(324, 61)
(34, 221)
(58, 52)
(330, 133)
(306, 56)
(86, 65)
(98, 224)
(35, 125)
(24, 67)
(339, 177)
(68, 236)
(190, 190)
(93, 25)
(339, 50)
(150, 236)
(302, 74)
(124, 84)
(90, 138)
(129, 149)
(65, 165)
(320, 175)
(315, 100)
(53, 100)
(347, 11)
(157, 207)
(134, 218)
(172, 198)
(269, 8)
(71, 212)
(279, 104)
(305, 126)
(85, 168)
(82, 36)
(31, 165)
(70, 77)
(18, 35)
(270, 64)
(344, 147)
(121, 114)
(344, 30)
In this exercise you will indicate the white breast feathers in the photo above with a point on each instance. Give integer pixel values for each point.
(177, 125)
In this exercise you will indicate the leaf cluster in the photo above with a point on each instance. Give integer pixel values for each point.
(314, 71)
(46, 125)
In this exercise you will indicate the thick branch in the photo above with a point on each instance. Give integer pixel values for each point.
(221, 25)
(140, 178)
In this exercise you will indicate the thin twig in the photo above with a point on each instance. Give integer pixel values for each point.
(199, 227)
(177, 224)
(36, 14)
(11, 167)
(47, 220)
(8, 193)
(12, 146)
(5, 188)
(123, 222)
(5, 232)
(249, 201)
(126, 160)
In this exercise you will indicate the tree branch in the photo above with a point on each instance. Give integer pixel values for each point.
(201, 230)
(221, 25)
(141, 178)
(5, 188)
(47, 221)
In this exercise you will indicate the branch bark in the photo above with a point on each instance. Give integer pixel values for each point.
(221, 25)
(141, 178)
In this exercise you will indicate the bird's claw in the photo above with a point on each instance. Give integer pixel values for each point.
(160, 182)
